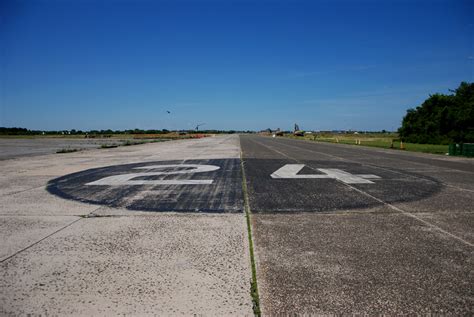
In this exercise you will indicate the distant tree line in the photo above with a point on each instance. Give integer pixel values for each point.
(23, 131)
(15, 131)
(442, 119)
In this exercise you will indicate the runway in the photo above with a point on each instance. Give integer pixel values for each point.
(397, 240)
(161, 228)
(69, 248)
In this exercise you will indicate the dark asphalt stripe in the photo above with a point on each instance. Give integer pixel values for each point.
(263, 156)
(462, 176)
(370, 196)
(393, 155)
(314, 148)
(340, 158)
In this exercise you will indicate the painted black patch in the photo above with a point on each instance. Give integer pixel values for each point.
(223, 195)
(263, 156)
(320, 195)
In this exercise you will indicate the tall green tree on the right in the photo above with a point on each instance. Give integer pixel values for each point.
(442, 119)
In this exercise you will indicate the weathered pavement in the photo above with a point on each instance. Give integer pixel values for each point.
(393, 237)
(73, 248)
(159, 229)
(15, 147)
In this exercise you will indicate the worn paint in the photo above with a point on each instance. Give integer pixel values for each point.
(128, 179)
(292, 170)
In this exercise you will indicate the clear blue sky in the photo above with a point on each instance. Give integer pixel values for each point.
(230, 64)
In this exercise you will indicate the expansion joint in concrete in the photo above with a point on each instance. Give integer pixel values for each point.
(253, 281)
(39, 241)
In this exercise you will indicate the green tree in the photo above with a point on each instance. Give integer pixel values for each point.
(442, 119)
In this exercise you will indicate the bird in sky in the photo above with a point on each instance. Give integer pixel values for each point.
(168, 111)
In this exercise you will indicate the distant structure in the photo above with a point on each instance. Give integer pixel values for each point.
(297, 131)
(198, 125)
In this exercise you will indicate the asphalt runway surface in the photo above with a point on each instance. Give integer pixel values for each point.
(399, 241)
(160, 229)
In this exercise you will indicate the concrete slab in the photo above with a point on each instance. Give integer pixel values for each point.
(126, 261)
(15, 184)
(38, 202)
(17, 233)
(14, 147)
(135, 265)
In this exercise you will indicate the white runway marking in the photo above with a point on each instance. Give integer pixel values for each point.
(291, 171)
(127, 179)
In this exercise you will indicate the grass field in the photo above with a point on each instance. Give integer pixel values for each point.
(375, 140)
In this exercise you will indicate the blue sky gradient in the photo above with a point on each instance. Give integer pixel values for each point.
(230, 64)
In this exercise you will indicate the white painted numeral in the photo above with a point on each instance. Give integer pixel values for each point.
(128, 179)
(291, 171)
